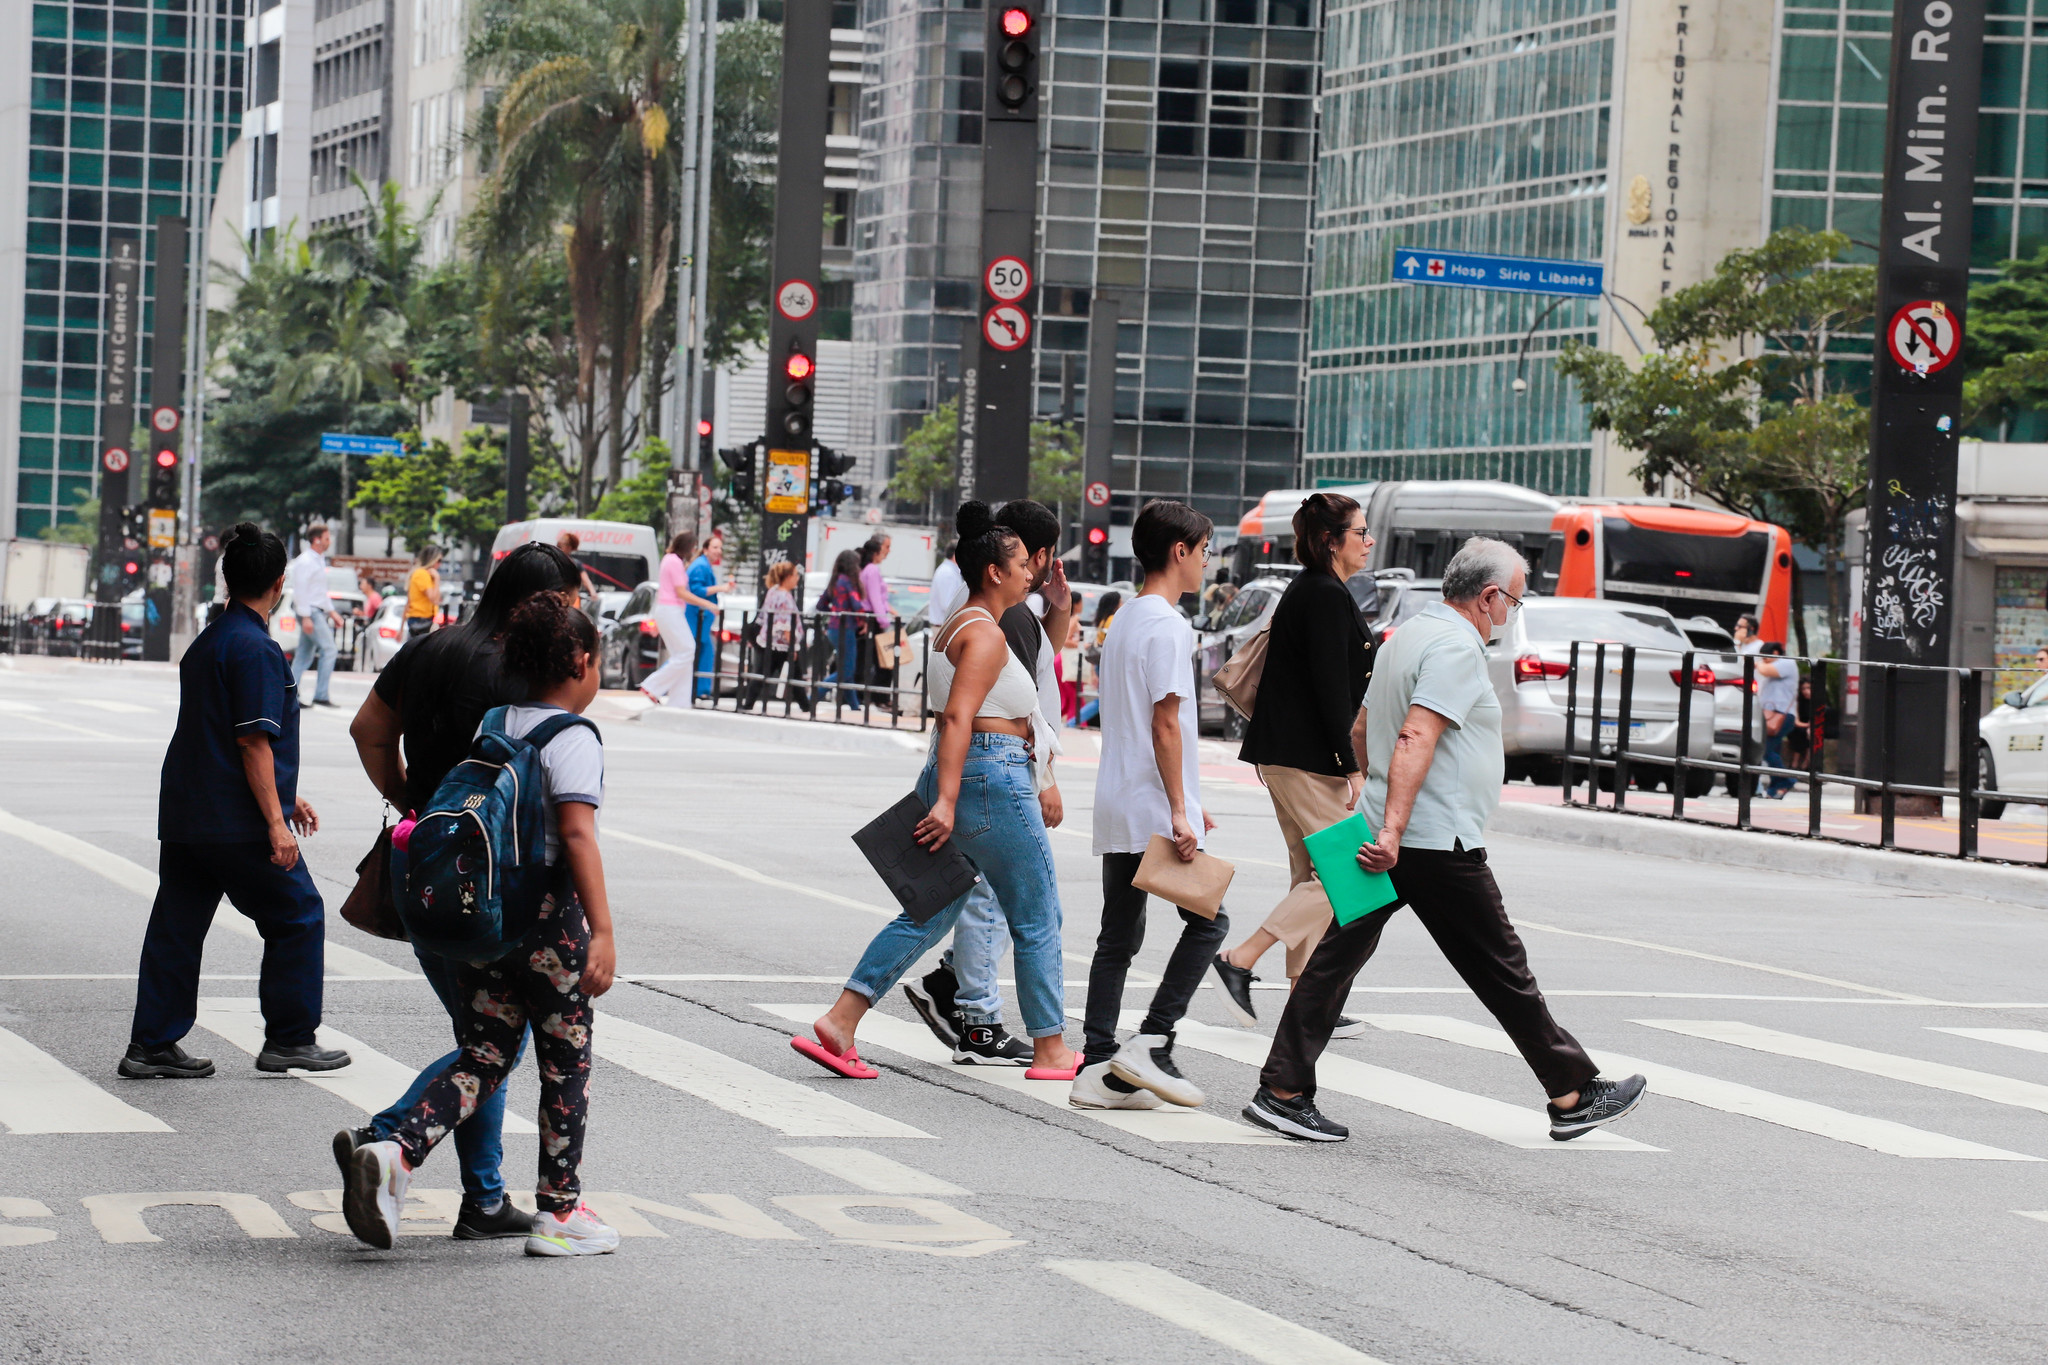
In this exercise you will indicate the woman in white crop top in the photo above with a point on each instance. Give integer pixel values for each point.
(981, 785)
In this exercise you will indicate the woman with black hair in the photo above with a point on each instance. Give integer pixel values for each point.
(988, 763)
(845, 625)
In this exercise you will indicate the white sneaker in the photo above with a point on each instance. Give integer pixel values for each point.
(375, 1198)
(1146, 1061)
(1092, 1092)
(576, 1233)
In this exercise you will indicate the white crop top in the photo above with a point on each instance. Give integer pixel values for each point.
(1014, 696)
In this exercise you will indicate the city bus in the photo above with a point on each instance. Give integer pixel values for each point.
(1689, 559)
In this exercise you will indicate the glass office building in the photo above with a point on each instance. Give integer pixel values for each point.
(118, 132)
(1176, 174)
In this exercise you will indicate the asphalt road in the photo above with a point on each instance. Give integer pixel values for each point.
(1826, 1170)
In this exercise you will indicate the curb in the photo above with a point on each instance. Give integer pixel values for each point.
(1773, 852)
(809, 734)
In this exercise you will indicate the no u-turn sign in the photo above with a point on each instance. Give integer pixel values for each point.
(1924, 336)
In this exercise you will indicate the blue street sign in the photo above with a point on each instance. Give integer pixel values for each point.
(337, 443)
(1522, 274)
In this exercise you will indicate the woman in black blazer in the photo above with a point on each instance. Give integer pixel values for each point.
(1317, 660)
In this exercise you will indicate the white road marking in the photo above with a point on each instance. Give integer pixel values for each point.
(1879, 1135)
(39, 1094)
(2027, 1039)
(1203, 1311)
(13, 1235)
(746, 873)
(13, 707)
(119, 708)
(1984, 1085)
(1166, 1124)
(871, 1171)
(133, 876)
(1528, 1129)
(130, 976)
(118, 1217)
(1727, 961)
(755, 980)
(936, 1221)
(2039, 1215)
(789, 1108)
(371, 1080)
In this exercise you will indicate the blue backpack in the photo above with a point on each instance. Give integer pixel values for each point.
(470, 881)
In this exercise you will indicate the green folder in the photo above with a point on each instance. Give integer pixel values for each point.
(1354, 893)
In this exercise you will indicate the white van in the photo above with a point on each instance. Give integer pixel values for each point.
(618, 555)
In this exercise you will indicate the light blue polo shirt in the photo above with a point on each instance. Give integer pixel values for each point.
(1437, 660)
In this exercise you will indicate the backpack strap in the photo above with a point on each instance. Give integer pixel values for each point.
(541, 735)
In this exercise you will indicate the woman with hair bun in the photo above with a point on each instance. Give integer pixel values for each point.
(990, 758)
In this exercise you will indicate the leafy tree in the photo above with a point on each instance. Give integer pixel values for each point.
(747, 104)
(407, 492)
(642, 498)
(926, 466)
(79, 524)
(1055, 464)
(2005, 347)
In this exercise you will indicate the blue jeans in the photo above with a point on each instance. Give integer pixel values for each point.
(707, 651)
(980, 938)
(1774, 757)
(479, 1139)
(316, 634)
(845, 640)
(997, 823)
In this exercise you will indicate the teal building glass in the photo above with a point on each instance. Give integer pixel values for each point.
(116, 137)
(1461, 127)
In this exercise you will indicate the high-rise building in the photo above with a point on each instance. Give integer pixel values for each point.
(111, 116)
(1176, 174)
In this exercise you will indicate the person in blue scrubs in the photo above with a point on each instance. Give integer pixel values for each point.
(228, 816)
(704, 624)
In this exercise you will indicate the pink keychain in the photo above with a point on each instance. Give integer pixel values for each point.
(401, 833)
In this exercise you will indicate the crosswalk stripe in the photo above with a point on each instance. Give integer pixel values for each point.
(370, 1081)
(1169, 1123)
(1528, 1129)
(1220, 1318)
(39, 1094)
(1984, 1085)
(1879, 1135)
(789, 1108)
(745, 873)
(871, 1171)
(2027, 1039)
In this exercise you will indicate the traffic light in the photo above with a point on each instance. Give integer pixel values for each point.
(740, 460)
(1095, 555)
(703, 443)
(163, 469)
(134, 541)
(831, 490)
(1013, 62)
(801, 371)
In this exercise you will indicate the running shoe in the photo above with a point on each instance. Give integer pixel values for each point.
(506, 1219)
(345, 1143)
(579, 1232)
(990, 1045)
(1295, 1118)
(932, 998)
(1146, 1061)
(1237, 991)
(373, 1198)
(1347, 1027)
(1599, 1102)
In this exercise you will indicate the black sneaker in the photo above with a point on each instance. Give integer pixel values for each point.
(1599, 1102)
(1237, 991)
(169, 1061)
(990, 1045)
(935, 1006)
(507, 1219)
(1347, 1027)
(1295, 1118)
(345, 1143)
(304, 1057)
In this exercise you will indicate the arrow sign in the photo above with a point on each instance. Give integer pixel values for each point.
(1516, 274)
(1006, 326)
(341, 443)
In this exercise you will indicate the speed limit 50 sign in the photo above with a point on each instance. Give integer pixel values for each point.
(1008, 279)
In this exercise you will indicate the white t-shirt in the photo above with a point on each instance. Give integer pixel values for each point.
(949, 590)
(573, 763)
(1149, 657)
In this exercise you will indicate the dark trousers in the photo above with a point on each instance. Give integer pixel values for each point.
(769, 663)
(1454, 895)
(191, 879)
(1123, 933)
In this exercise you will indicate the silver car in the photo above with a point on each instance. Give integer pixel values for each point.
(1531, 664)
(1718, 652)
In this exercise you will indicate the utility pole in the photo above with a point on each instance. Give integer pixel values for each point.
(1009, 237)
(1923, 263)
(166, 415)
(518, 456)
(1098, 436)
(682, 484)
(117, 431)
(799, 261)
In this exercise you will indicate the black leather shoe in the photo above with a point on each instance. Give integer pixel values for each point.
(304, 1057)
(345, 1143)
(168, 1061)
(506, 1220)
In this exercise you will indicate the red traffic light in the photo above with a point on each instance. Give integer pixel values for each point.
(132, 567)
(1016, 22)
(799, 366)
(166, 458)
(703, 426)
(1098, 535)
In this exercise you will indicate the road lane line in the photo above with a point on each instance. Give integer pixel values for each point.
(1166, 1124)
(1528, 1129)
(371, 1080)
(871, 1171)
(1728, 962)
(1983, 1085)
(39, 1094)
(2027, 1039)
(133, 876)
(119, 708)
(746, 873)
(1203, 1311)
(1879, 1135)
(789, 1108)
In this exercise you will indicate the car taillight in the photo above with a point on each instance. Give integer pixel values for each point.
(647, 627)
(726, 637)
(388, 632)
(1702, 678)
(1529, 668)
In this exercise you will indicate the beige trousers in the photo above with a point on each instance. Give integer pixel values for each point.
(1305, 802)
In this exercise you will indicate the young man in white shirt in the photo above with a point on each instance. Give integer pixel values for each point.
(317, 618)
(1149, 783)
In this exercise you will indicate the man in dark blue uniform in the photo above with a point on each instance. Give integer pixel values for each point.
(226, 812)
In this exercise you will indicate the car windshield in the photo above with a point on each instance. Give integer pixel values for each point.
(1560, 622)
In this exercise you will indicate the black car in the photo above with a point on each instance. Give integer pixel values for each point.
(629, 644)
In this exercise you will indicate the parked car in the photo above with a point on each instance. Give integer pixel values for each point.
(67, 624)
(2012, 747)
(1530, 665)
(1707, 634)
(1400, 595)
(629, 643)
(134, 621)
(384, 635)
(1234, 625)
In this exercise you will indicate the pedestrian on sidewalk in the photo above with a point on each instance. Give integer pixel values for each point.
(1091, 654)
(703, 610)
(1149, 784)
(423, 592)
(673, 599)
(318, 619)
(989, 760)
(568, 542)
(779, 637)
(417, 723)
(845, 625)
(227, 810)
(1318, 656)
(1777, 696)
(874, 590)
(1429, 738)
(550, 979)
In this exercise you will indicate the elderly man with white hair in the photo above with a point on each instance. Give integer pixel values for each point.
(1428, 739)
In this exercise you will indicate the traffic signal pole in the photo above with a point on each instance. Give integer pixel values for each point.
(166, 416)
(117, 422)
(1002, 385)
(799, 260)
(1098, 435)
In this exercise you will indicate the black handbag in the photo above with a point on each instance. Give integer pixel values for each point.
(370, 906)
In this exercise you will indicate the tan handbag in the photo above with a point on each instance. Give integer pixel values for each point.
(885, 651)
(1237, 682)
(1196, 886)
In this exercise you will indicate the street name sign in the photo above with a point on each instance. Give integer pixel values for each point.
(1520, 274)
(339, 443)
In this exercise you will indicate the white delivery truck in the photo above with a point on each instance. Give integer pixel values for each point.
(42, 568)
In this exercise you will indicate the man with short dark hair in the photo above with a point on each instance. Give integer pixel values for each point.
(314, 608)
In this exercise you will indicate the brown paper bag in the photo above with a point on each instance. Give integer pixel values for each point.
(1196, 886)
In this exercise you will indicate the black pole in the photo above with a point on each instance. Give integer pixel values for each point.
(1593, 746)
(518, 458)
(1568, 779)
(166, 415)
(1684, 746)
(1887, 817)
(1628, 689)
(117, 415)
(1009, 256)
(1968, 770)
(1098, 441)
(1745, 784)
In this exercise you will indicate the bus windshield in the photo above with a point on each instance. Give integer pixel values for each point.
(612, 573)
(1675, 559)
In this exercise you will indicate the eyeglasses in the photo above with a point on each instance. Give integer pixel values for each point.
(1514, 602)
(1362, 532)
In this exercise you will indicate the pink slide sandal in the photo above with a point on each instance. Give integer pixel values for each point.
(850, 1065)
(1047, 1073)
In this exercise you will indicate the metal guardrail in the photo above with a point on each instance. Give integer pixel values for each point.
(1620, 767)
(807, 685)
(98, 638)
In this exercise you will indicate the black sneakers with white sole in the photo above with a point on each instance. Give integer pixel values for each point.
(935, 1008)
(1237, 990)
(1347, 1027)
(1296, 1118)
(990, 1045)
(1600, 1101)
